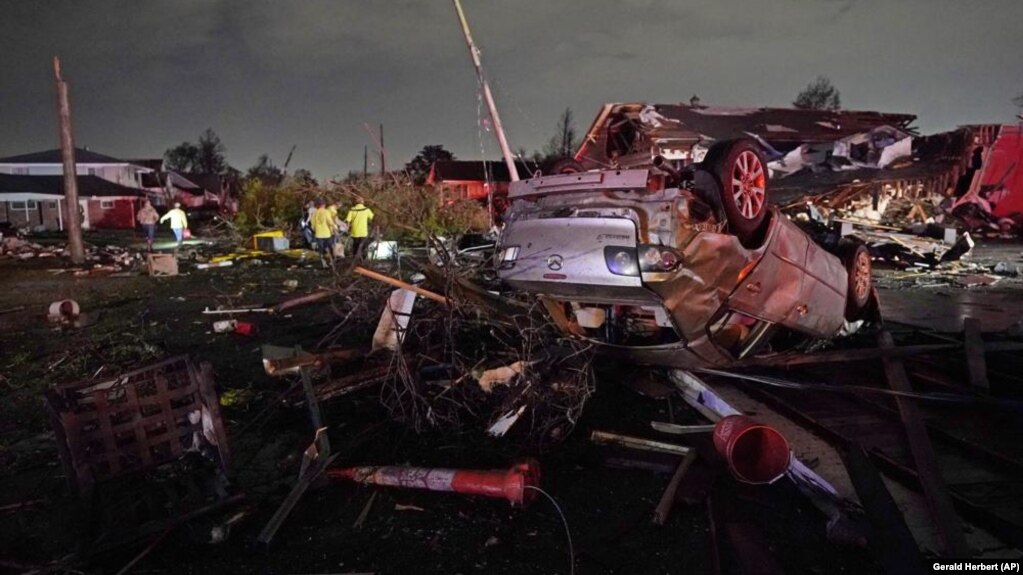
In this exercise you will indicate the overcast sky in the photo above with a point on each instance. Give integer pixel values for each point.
(266, 75)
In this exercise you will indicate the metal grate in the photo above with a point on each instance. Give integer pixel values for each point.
(137, 421)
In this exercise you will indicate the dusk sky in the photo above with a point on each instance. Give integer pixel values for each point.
(266, 75)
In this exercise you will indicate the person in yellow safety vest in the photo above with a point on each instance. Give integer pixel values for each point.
(358, 219)
(323, 230)
(178, 222)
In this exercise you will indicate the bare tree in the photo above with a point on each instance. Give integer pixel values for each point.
(564, 141)
(820, 94)
(211, 153)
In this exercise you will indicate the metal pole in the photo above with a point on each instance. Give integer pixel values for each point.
(67, 152)
(487, 96)
(383, 156)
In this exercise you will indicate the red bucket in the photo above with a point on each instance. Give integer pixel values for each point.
(755, 453)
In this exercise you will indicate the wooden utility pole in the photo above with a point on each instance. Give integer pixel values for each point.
(383, 157)
(365, 162)
(487, 96)
(67, 152)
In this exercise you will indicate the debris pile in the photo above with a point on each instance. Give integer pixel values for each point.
(101, 260)
(15, 247)
(954, 180)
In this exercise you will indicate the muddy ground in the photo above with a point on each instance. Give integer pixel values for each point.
(141, 319)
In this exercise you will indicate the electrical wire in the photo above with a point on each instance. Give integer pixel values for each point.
(940, 396)
(568, 533)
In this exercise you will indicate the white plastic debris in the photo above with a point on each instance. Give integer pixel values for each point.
(394, 320)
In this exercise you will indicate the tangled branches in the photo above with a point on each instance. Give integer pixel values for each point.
(444, 370)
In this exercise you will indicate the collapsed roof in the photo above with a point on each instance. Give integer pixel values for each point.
(630, 135)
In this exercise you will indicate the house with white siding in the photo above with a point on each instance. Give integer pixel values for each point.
(87, 163)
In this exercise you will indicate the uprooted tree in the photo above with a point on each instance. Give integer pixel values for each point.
(403, 211)
(820, 94)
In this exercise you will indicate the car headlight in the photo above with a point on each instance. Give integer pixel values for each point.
(621, 260)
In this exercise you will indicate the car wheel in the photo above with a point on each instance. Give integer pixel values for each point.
(857, 263)
(563, 166)
(742, 173)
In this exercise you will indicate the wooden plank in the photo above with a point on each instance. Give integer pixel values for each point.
(751, 550)
(938, 500)
(400, 284)
(668, 497)
(976, 363)
(853, 355)
(891, 540)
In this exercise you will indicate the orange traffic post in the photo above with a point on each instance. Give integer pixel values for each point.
(511, 484)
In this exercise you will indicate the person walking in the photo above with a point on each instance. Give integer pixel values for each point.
(147, 218)
(340, 228)
(178, 222)
(323, 230)
(358, 220)
(305, 224)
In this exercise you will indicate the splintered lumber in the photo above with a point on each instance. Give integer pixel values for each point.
(559, 316)
(675, 429)
(605, 438)
(668, 497)
(302, 300)
(891, 540)
(400, 284)
(290, 364)
(938, 501)
(352, 383)
(976, 363)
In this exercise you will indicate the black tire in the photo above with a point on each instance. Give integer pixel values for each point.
(563, 166)
(858, 266)
(741, 173)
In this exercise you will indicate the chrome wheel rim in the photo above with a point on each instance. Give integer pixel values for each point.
(861, 275)
(749, 184)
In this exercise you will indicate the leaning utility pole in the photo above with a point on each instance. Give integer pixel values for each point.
(498, 129)
(67, 152)
(383, 156)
